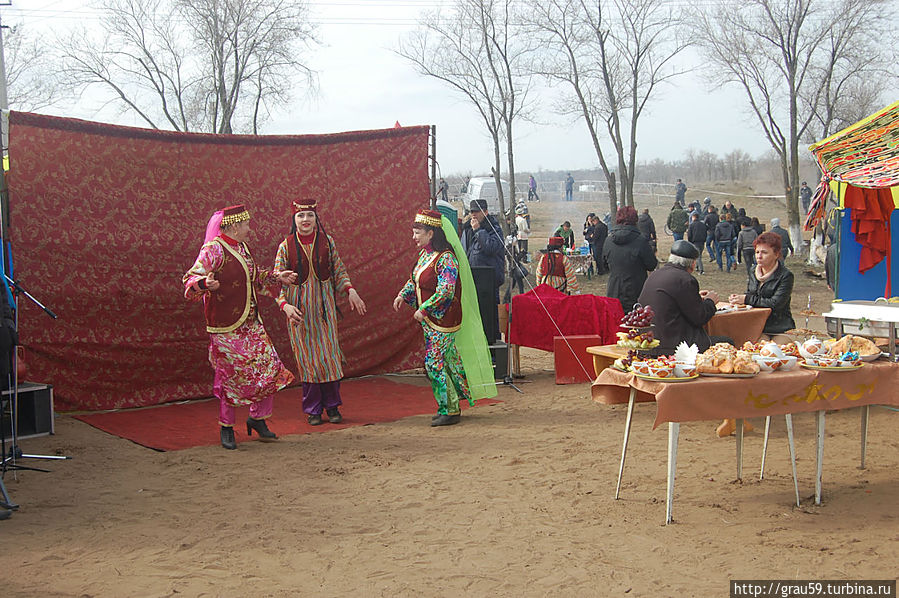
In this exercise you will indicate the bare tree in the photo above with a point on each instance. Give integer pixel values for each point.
(194, 65)
(29, 73)
(475, 51)
(784, 53)
(612, 56)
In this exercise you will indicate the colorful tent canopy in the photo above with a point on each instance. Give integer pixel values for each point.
(861, 162)
(865, 154)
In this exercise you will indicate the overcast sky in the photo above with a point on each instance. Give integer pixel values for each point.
(363, 84)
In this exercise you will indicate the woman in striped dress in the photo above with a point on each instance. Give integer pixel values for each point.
(311, 309)
(555, 268)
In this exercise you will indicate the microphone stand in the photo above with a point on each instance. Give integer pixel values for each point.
(9, 459)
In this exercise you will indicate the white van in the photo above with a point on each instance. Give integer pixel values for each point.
(484, 187)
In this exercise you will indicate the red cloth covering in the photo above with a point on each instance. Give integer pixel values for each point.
(544, 312)
(106, 220)
(871, 209)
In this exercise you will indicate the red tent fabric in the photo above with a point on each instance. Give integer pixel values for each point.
(871, 209)
(545, 312)
(106, 220)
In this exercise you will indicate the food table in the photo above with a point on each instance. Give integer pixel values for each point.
(740, 324)
(775, 393)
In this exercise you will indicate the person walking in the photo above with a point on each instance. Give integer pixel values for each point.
(310, 305)
(786, 244)
(697, 234)
(677, 221)
(724, 235)
(441, 291)
(524, 230)
(443, 190)
(745, 248)
(805, 196)
(680, 192)
(532, 189)
(569, 187)
(710, 218)
(647, 228)
(248, 371)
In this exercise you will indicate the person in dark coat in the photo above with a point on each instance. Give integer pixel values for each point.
(596, 234)
(681, 309)
(629, 257)
(770, 285)
(711, 221)
(648, 228)
(784, 234)
(725, 234)
(482, 239)
(697, 234)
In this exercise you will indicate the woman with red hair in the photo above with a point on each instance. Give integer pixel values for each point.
(770, 285)
(629, 256)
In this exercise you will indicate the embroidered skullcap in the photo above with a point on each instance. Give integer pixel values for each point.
(234, 214)
(428, 218)
(303, 205)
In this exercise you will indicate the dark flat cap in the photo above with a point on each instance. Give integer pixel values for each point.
(685, 249)
(478, 205)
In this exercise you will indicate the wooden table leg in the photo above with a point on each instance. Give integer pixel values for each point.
(739, 449)
(819, 454)
(627, 433)
(515, 356)
(673, 431)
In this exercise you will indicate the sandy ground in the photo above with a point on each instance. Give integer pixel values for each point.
(515, 501)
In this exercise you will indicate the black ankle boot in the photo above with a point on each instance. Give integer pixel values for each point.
(228, 438)
(265, 435)
(446, 420)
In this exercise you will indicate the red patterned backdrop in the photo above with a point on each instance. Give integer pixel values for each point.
(106, 220)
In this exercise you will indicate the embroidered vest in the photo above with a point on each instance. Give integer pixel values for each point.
(554, 265)
(298, 259)
(426, 286)
(228, 308)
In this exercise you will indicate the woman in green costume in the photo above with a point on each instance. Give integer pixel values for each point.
(441, 290)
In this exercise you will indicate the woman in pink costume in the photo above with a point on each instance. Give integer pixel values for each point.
(247, 368)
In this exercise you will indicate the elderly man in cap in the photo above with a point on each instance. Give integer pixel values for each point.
(681, 309)
(786, 245)
(482, 239)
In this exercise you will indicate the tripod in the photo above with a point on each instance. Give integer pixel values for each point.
(9, 458)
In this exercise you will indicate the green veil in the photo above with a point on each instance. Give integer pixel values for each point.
(470, 340)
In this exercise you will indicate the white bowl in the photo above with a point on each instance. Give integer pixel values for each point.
(788, 363)
(767, 364)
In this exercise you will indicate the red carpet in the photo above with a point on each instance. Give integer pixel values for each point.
(179, 426)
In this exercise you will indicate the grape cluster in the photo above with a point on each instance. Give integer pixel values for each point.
(635, 334)
(640, 316)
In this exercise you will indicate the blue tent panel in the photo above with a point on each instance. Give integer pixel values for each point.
(868, 286)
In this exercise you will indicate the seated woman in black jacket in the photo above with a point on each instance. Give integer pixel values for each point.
(770, 285)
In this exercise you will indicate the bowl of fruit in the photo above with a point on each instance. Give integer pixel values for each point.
(637, 339)
(641, 316)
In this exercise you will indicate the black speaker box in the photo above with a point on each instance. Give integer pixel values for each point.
(35, 410)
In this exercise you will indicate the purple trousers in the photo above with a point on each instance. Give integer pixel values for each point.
(320, 396)
(261, 409)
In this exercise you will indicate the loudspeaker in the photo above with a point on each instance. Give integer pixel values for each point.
(500, 354)
(35, 410)
(485, 286)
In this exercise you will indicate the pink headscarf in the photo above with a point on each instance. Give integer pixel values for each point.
(214, 227)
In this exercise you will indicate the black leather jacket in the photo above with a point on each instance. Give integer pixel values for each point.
(775, 293)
